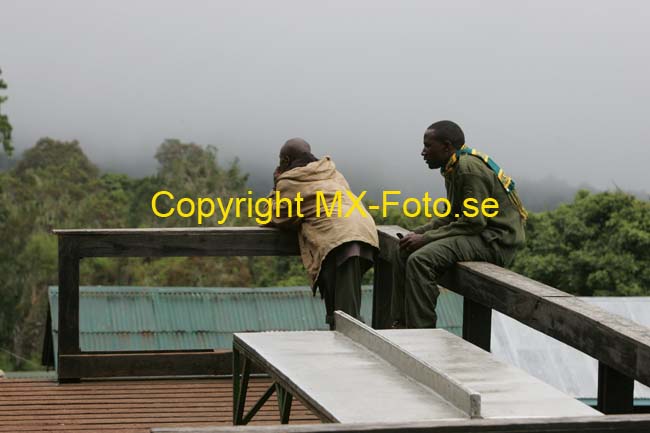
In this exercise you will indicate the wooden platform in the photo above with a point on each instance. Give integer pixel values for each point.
(129, 406)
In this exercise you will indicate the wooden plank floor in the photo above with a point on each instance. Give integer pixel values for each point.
(129, 406)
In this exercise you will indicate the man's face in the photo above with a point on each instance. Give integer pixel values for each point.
(435, 153)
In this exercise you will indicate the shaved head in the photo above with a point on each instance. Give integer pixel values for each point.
(295, 152)
(295, 148)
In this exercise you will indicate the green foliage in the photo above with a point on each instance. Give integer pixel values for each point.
(597, 245)
(188, 170)
(54, 185)
(278, 271)
(5, 126)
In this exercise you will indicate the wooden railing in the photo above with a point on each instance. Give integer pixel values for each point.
(74, 245)
(621, 346)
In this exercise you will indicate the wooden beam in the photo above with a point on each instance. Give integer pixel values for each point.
(218, 241)
(383, 284)
(68, 297)
(615, 391)
(382, 294)
(388, 241)
(600, 424)
(125, 364)
(477, 324)
(618, 342)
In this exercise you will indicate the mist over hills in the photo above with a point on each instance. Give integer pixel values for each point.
(538, 194)
(554, 93)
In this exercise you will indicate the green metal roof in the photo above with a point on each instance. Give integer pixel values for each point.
(180, 318)
(36, 375)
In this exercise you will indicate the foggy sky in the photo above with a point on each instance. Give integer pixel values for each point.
(549, 89)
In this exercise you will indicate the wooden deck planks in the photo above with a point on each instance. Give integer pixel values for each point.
(129, 406)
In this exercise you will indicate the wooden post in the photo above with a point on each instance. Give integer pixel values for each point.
(477, 323)
(615, 391)
(68, 340)
(382, 294)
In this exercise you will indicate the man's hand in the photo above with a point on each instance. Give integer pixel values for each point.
(412, 242)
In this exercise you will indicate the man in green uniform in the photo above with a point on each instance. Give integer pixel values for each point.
(433, 248)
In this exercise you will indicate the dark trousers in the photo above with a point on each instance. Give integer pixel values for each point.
(415, 276)
(340, 286)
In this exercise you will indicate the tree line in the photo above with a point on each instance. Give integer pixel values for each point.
(598, 245)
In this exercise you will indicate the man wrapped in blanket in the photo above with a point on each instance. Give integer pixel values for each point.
(335, 250)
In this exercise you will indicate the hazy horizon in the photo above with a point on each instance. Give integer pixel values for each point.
(553, 90)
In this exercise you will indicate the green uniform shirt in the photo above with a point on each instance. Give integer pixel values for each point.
(470, 177)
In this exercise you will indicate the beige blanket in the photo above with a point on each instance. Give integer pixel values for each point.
(318, 235)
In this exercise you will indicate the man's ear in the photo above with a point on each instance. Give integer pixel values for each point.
(284, 162)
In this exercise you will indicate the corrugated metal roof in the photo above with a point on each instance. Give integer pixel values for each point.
(450, 312)
(178, 318)
(39, 374)
(554, 362)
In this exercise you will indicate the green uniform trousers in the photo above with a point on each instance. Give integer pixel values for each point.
(415, 276)
(340, 286)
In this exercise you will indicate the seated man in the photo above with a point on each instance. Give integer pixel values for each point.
(336, 251)
(431, 249)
